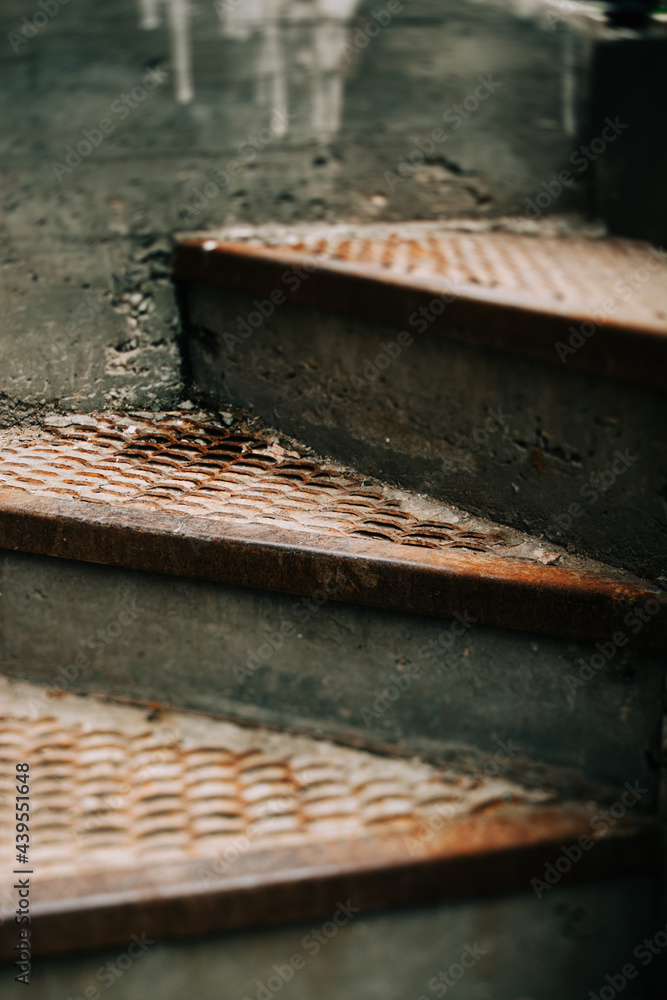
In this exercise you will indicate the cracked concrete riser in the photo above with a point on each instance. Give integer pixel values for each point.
(83, 344)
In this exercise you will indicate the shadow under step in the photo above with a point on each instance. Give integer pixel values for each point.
(177, 824)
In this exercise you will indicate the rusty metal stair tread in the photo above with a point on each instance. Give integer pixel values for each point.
(515, 292)
(180, 823)
(187, 494)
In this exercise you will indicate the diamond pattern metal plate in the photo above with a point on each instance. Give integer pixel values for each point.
(110, 787)
(176, 822)
(493, 287)
(547, 270)
(197, 466)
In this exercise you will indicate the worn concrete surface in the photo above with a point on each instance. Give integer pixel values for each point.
(560, 946)
(207, 647)
(356, 103)
(554, 443)
(71, 338)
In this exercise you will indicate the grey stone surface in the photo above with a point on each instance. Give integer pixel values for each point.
(71, 339)
(560, 431)
(358, 101)
(189, 644)
(561, 946)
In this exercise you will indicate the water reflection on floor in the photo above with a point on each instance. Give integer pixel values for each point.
(324, 47)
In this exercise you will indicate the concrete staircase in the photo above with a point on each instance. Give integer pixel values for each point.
(332, 577)
(378, 693)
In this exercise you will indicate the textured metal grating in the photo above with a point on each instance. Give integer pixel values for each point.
(109, 787)
(548, 271)
(197, 466)
(171, 823)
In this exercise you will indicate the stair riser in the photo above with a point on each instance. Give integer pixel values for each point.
(562, 945)
(516, 439)
(338, 671)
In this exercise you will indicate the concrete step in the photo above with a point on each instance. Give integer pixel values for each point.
(283, 589)
(519, 376)
(223, 499)
(176, 824)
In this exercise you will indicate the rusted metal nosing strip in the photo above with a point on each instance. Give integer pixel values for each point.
(634, 352)
(502, 592)
(183, 907)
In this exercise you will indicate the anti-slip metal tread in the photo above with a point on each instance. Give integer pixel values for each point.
(502, 289)
(132, 814)
(198, 467)
(185, 493)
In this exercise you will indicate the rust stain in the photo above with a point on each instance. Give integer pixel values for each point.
(122, 788)
(537, 458)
